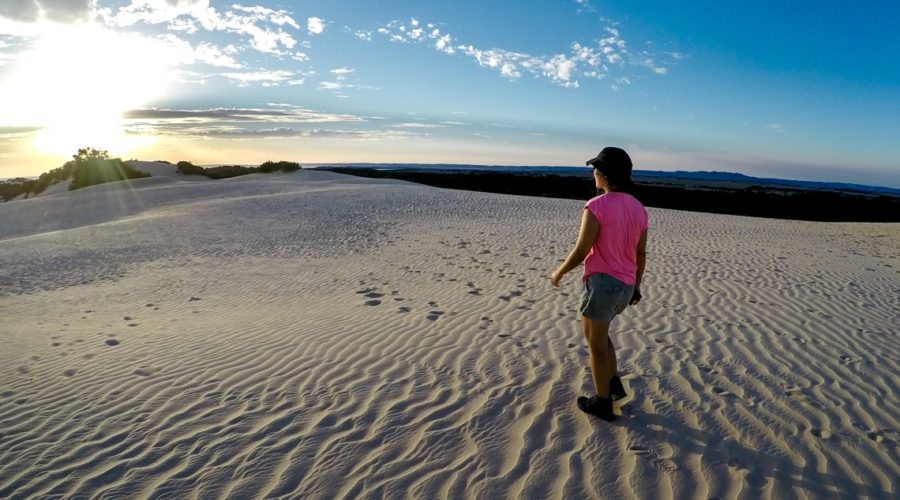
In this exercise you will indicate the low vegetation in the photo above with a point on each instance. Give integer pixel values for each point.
(88, 167)
(224, 172)
(92, 166)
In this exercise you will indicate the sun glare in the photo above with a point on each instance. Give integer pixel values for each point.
(76, 83)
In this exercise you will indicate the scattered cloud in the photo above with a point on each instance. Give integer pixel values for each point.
(53, 10)
(264, 77)
(585, 6)
(315, 26)
(287, 114)
(203, 53)
(341, 82)
(16, 132)
(363, 35)
(264, 27)
(775, 128)
(417, 125)
(594, 60)
(287, 132)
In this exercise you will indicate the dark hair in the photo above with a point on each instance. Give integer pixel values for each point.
(615, 164)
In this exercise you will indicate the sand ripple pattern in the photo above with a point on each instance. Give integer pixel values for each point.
(319, 336)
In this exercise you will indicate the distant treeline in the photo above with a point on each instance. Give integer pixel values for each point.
(188, 168)
(93, 166)
(755, 201)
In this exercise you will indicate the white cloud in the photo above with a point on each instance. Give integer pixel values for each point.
(363, 35)
(267, 78)
(263, 26)
(284, 114)
(54, 10)
(342, 71)
(334, 85)
(315, 26)
(775, 128)
(582, 60)
(417, 125)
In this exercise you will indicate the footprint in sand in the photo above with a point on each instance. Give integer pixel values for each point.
(373, 302)
(69, 373)
(876, 436)
(638, 450)
(820, 433)
(112, 342)
(403, 309)
(434, 315)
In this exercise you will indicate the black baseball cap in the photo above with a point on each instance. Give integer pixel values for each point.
(614, 158)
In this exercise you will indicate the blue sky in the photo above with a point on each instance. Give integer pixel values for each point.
(804, 90)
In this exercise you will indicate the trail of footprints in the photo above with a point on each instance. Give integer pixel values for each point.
(111, 340)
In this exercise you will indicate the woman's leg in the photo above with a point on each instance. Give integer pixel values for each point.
(602, 366)
(611, 357)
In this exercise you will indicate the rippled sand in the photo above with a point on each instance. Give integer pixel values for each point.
(315, 335)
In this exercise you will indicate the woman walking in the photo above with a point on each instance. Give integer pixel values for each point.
(612, 244)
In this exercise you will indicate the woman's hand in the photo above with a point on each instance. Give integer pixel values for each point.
(636, 296)
(555, 276)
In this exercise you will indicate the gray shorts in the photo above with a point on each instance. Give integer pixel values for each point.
(604, 297)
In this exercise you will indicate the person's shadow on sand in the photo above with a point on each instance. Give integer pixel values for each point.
(763, 468)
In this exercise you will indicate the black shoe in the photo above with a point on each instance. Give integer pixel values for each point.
(597, 406)
(616, 390)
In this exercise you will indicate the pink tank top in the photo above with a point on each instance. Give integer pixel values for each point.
(622, 220)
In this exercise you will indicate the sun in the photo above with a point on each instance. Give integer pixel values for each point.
(77, 81)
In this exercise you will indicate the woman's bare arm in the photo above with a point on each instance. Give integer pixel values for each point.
(641, 261)
(587, 235)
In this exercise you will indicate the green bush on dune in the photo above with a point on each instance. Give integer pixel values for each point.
(88, 167)
(280, 166)
(93, 166)
(188, 168)
(226, 171)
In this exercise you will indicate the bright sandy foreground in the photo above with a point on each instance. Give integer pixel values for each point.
(314, 335)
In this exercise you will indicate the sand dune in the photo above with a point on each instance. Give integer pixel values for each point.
(314, 335)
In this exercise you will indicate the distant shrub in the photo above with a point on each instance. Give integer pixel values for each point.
(280, 166)
(93, 166)
(188, 168)
(229, 171)
(12, 188)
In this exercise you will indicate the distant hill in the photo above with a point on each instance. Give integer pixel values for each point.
(700, 176)
(714, 192)
(765, 181)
